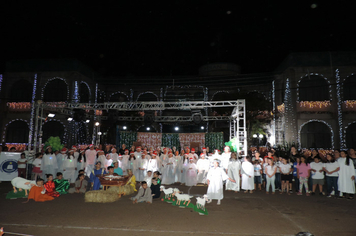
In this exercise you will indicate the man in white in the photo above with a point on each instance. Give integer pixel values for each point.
(90, 154)
(346, 181)
(203, 168)
(215, 179)
(114, 155)
(225, 158)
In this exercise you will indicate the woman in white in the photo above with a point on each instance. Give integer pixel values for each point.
(49, 163)
(125, 162)
(152, 164)
(247, 175)
(70, 167)
(191, 173)
(234, 171)
(346, 181)
(141, 168)
(178, 168)
(102, 158)
(168, 170)
(114, 156)
(271, 170)
(132, 163)
(215, 178)
(81, 161)
(203, 166)
(185, 162)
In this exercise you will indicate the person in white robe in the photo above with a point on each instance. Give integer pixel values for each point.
(203, 166)
(234, 172)
(125, 162)
(191, 173)
(194, 155)
(346, 181)
(148, 178)
(215, 179)
(91, 156)
(108, 161)
(152, 164)
(132, 164)
(162, 159)
(81, 161)
(142, 168)
(147, 156)
(178, 168)
(225, 158)
(247, 171)
(101, 158)
(61, 157)
(114, 155)
(138, 153)
(70, 167)
(168, 170)
(49, 163)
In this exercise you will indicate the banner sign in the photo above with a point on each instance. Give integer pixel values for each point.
(8, 165)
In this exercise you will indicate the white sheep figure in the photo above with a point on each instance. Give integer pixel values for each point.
(183, 197)
(167, 192)
(201, 202)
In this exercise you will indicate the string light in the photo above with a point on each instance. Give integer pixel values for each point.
(345, 131)
(350, 104)
(48, 81)
(289, 114)
(83, 82)
(146, 93)
(339, 108)
(30, 133)
(315, 120)
(118, 93)
(281, 108)
(65, 137)
(315, 104)
(0, 82)
(20, 147)
(307, 76)
(220, 91)
(76, 92)
(19, 106)
(4, 132)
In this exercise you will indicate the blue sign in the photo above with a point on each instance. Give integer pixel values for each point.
(9, 166)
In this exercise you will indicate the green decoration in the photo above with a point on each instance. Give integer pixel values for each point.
(200, 209)
(127, 138)
(54, 142)
(171, 140)
(214, 141)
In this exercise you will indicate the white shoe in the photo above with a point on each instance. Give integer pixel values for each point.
(218, 202)
(332, 193)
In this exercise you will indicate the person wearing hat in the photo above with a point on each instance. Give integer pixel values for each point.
(178, 167)
(123, 149)
(152, 164)
(101, 158)
(215, 179)
(132, 164)
(191, 173)
(138, 153)
(168, 169)
(203, 166)
(194, 155)
(90, 154)
(108, 161)
(225, 158)
(82, 160)
(70, 167)
(141, 168)
(49, 163)
(98, 171)
(114, 155)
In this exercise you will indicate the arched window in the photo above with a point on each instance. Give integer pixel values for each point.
(147, 97)
(84, 93)
(21, 91)
(55, 91)
(313, 88)
(315, 135)
(17, 132)
(351, 136)
(54, 129)
(349, 88)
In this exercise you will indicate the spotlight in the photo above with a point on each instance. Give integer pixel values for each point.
(255, 135)
(176, 128)
(97, 123)
(197, 117)
(51, 115)
(124, 127)
(260, 136)
(70, 119)
(87, 121)
(99, 133)
(202, 127)
(148, 128)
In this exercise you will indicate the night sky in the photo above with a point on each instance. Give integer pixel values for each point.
(146, 38)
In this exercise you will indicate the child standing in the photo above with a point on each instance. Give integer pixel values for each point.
(332, 174)
(271, 170)
(303, 173)
(37, 165)
(286, 177)
(21, 166)
(316, 168)
(258, 171)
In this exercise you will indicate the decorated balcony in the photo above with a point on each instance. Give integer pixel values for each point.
(19, 106)
(314, 106)
(349, 106)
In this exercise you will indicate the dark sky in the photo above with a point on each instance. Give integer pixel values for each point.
(175, 37)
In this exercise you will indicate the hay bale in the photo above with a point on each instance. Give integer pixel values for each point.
(101, 196)
(122, 190)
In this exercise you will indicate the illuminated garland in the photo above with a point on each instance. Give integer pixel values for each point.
(350, 103)
(4, 132)
(21, 106)
(32, 111)
(44, 87)
(0, 82)
(345, 131)
(289, 124)
(281, 108)
(221, 91)
(314, 104)
(131, 95)
(76, 92)
(321, 152)
(306, 76)
(315, 120)
(183, 87)
(20, 147)
(118, 93)
(339, 107)
(256, 91)
(146, 93)
(95, 101)
(83, 82)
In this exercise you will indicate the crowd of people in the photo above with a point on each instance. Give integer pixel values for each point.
(330, 175)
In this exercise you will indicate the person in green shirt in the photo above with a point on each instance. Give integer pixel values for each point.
(62, 185)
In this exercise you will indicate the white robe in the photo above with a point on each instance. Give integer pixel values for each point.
(191, 174)
(247, 170)
(49, 165)
(216, 176)
(69, 166)
(132, 165)
(233, 172)
(168, 171)
(178, 169)
(141, 174)
(225, 158)
(203, 166)
(114, 157)
(152, 165)
(345, 183)
(125, 163)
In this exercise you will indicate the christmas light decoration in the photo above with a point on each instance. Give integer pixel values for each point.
(339, 107)
(315, 104)
(118, 93)
(4, 132)
(44, 87)
(307, 76)
(345, 131)
(20, 147)
(146, 93)
(76, 92)
(220, 91)
(19, 106)
(30, 133)
(0, 82)
(350, 104)
(281, 108)
(83, 82)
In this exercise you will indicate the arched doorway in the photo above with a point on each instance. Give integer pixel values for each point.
(351, 136)
(56, 90)
(313, 88)
(17, 132)
(316, 135)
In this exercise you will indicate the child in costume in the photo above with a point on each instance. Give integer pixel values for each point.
(38, 192)
(80, 185)
(21, 166)
(50, 186)
(156, 185)
(62, 185)
(37, 165)
(144, 194)
(94, 180)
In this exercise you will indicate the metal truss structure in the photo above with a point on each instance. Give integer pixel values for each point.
(237, 119)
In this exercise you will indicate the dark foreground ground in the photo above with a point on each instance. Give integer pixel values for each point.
(239, 214)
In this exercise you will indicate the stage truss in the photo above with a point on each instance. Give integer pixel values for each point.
(237, 120)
